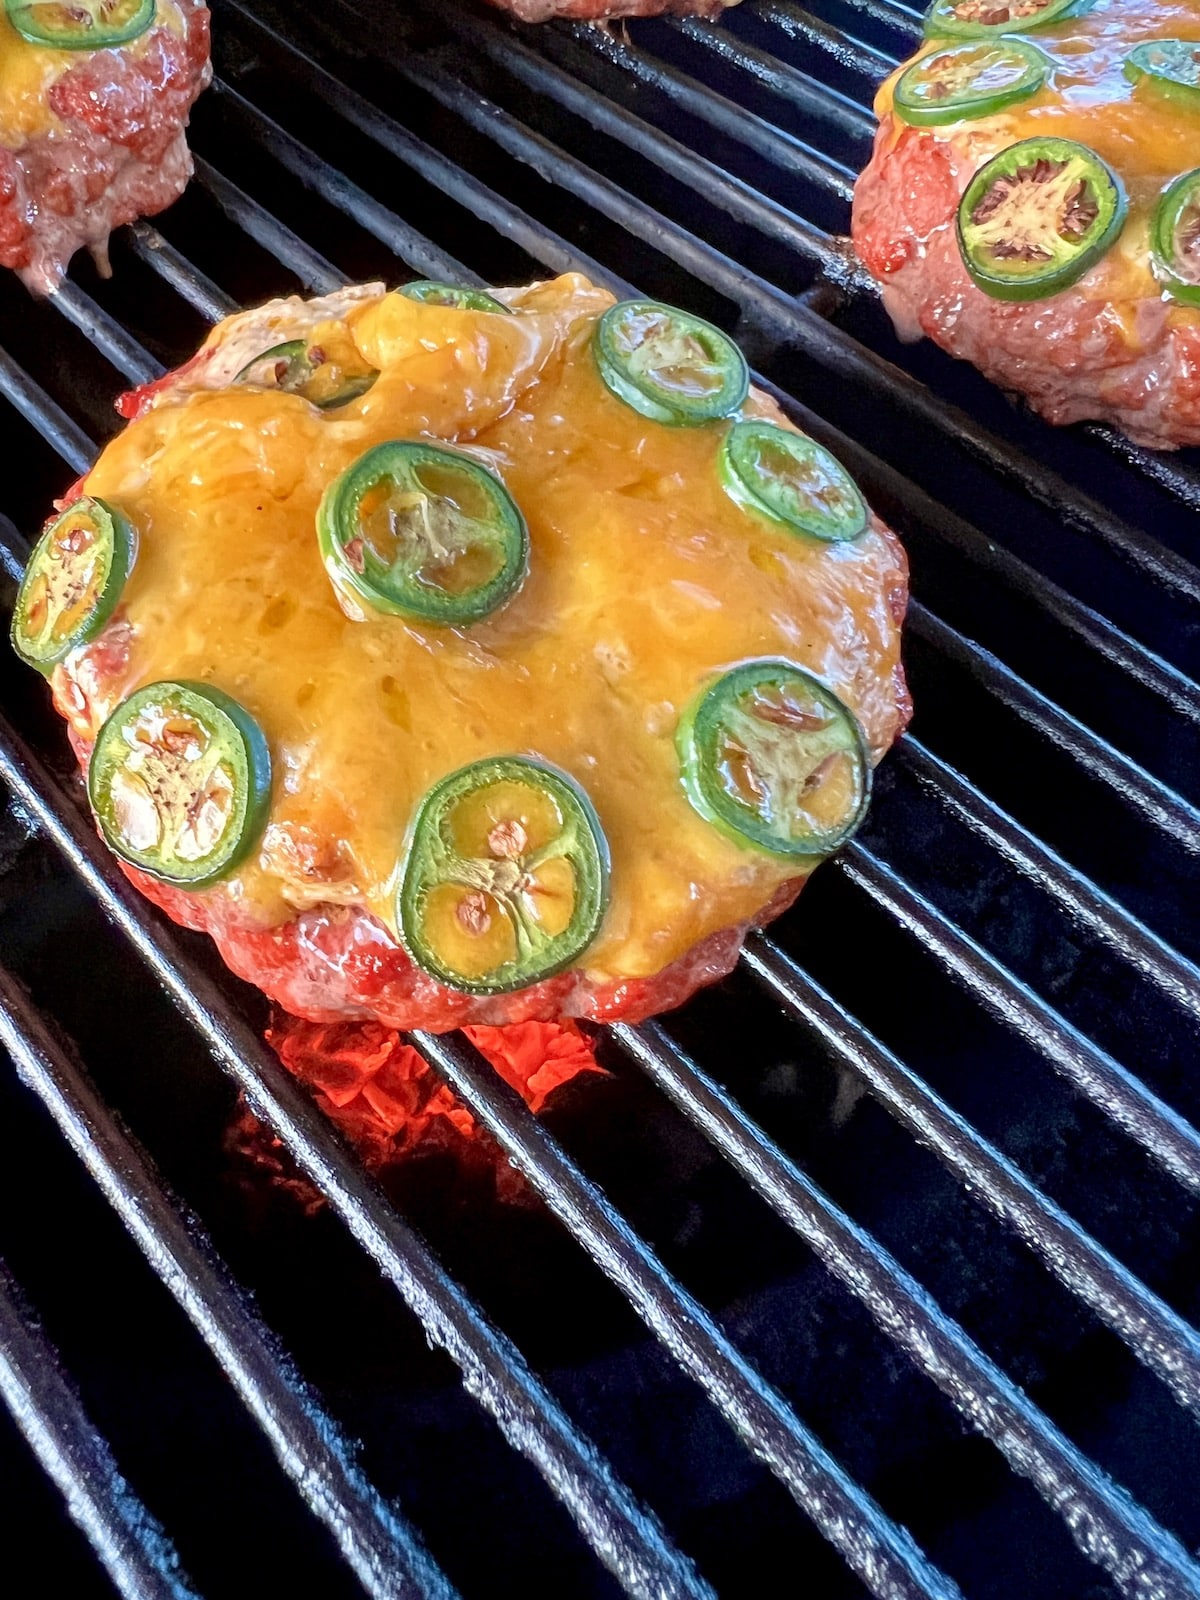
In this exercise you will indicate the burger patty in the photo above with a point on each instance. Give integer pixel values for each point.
(103, 145)
(607, 10)
(1116, 345)
(646, 582)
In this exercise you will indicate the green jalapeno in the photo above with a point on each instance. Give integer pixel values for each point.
(506, 879)
(668, 365)
(1175, 239)
(792, 480)
(310, 370)
(80, 24)
(419, 531)
(964, 81)
(1034, 218)
(448, 294)
(180, 782)
(772, 758)
(1169, 68)
(984, 19)
(72, 582)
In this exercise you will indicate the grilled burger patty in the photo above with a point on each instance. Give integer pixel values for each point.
(509, 675)
(1033, 205)
(92, 133)
(606, 10)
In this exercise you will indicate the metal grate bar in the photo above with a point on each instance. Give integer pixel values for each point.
(385, 1554)
(200, 292)
(310, 267)
(1099, 1517)
(136, 1554)
(1124, 1099)
(102, 330)
(625, 1536)
(881, 1553)
(1143, 1321)
(44, 414)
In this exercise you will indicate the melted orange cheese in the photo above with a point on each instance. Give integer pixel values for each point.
(28, 70)
(646, 581)
(1148, 140)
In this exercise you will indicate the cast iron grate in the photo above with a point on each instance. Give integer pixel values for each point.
(1002, 963)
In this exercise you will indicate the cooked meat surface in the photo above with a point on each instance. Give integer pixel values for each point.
(1120, 343)
(607, 10)
(92, 139)
(646, 583)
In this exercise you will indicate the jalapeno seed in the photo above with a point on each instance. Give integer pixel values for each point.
(964, 81)
(772, 758)
(180, 782)
(668, 365)
(791, 479)
(506, 878)
(1034, 218)
(429, 293)
(73, 581)
(419, 531)
(325, 376)
(80, 24)
(1175, 238)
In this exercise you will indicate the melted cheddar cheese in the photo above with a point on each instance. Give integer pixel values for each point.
(27, 72)
(646, 581)
(1147, 140)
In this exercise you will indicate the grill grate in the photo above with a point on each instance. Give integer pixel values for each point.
(1020, 901)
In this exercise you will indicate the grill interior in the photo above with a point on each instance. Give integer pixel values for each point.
(877, 1263)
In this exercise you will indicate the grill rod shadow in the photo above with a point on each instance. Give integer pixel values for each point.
(135, 1552)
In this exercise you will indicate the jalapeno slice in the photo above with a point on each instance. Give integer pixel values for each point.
(72, 582)
(323, 377)
(965, 81)
(1175, 238)
(984, 19)
(1169, 68)
(180, 782)
(80, 24)
(1034, 218)
(773, 758)
(418, 531)
(448, 294)
(506, 880)
(668, 365)
(792, 480)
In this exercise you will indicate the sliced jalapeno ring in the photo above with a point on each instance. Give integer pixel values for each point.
(964, 81)
(988, 19)
(791, 479)
(669, 366)
(506, 879)
(772, 758)
(1175, 239)
(419, 531)
(1169, 68)
(325, 378)
(1034, 218)
(73, 581)
(80, 24)
(448, 294)
(180, 782)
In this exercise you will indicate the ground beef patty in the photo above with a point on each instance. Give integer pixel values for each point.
(606, 10)
(1121, 342)
(91, 139)
(651, 584)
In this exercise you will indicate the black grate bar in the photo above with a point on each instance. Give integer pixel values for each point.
(200, 292)
(1166, 1136)
(1141, 790)
(386, 1555)
(44, 414)
(1153, 1332)
(880, 1552)
(1102, 1520)
(1105, 920)
(106, 334)
(626, 1537)
(316, 274)
(135, 1552)
(809, 30)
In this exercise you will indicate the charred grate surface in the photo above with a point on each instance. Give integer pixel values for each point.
(878, 1260)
